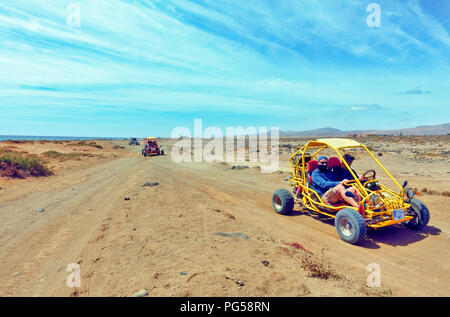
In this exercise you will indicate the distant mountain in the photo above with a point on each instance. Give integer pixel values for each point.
(441, 129)
(316, 132)
(426, 130)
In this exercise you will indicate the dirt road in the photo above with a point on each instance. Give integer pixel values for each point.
(171, 239)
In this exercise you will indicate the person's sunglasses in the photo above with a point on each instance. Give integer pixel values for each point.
(323, 163)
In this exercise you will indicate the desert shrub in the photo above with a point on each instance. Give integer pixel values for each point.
(21, 141)
(319, 267)
(85, 143)
(427, 191)
(298, 246)
(13, 164)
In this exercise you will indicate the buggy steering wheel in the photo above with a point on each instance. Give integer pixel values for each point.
(371, 176)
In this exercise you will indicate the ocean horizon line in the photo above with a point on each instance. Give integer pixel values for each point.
(12, 137)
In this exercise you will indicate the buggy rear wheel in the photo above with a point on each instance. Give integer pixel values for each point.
(350, 225)
(282, 201)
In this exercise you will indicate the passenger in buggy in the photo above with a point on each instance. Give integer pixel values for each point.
(329, 188)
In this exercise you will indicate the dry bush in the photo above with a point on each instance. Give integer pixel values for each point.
(8, 147)
(375, 291)
(426, 191)
(316, 266)
(319, 267)
(21, 141)
(85, 143)
(13, 164)
(299, 246)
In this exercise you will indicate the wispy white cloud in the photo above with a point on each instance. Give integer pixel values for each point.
(415, 91)
(432, 26)
(364, 107)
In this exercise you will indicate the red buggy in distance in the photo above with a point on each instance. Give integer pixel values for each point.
(152, 147)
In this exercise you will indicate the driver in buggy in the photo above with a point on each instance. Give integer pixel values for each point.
(341, 172)
(144, 149)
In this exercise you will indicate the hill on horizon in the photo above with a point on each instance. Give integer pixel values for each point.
(441, 129)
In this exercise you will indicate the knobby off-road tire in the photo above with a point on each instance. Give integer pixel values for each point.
(350, 225)
(422, 216)
(282, 201)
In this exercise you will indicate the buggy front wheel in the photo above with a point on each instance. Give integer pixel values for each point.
(421, 215)
(350, 225)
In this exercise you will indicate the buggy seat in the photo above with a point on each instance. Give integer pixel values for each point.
(312, 165)
(334, 162)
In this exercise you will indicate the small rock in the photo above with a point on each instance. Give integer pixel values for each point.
(239, 167)
(127, 198)
(380, 154)
(150, 184)
(58, 268)
(141, 293)
(134, 229)
(183, 273)
(265, 263)
(16, 273)
(240, 283)
(39, 210)
(232, 235)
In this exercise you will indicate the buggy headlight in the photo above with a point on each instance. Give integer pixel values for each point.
(410, 192)
(373, 186)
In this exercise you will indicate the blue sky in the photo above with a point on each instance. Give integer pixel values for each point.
(144, 67)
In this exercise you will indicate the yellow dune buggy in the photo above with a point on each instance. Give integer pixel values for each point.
(382, 206)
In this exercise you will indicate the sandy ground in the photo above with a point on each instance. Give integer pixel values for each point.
(164, 238)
